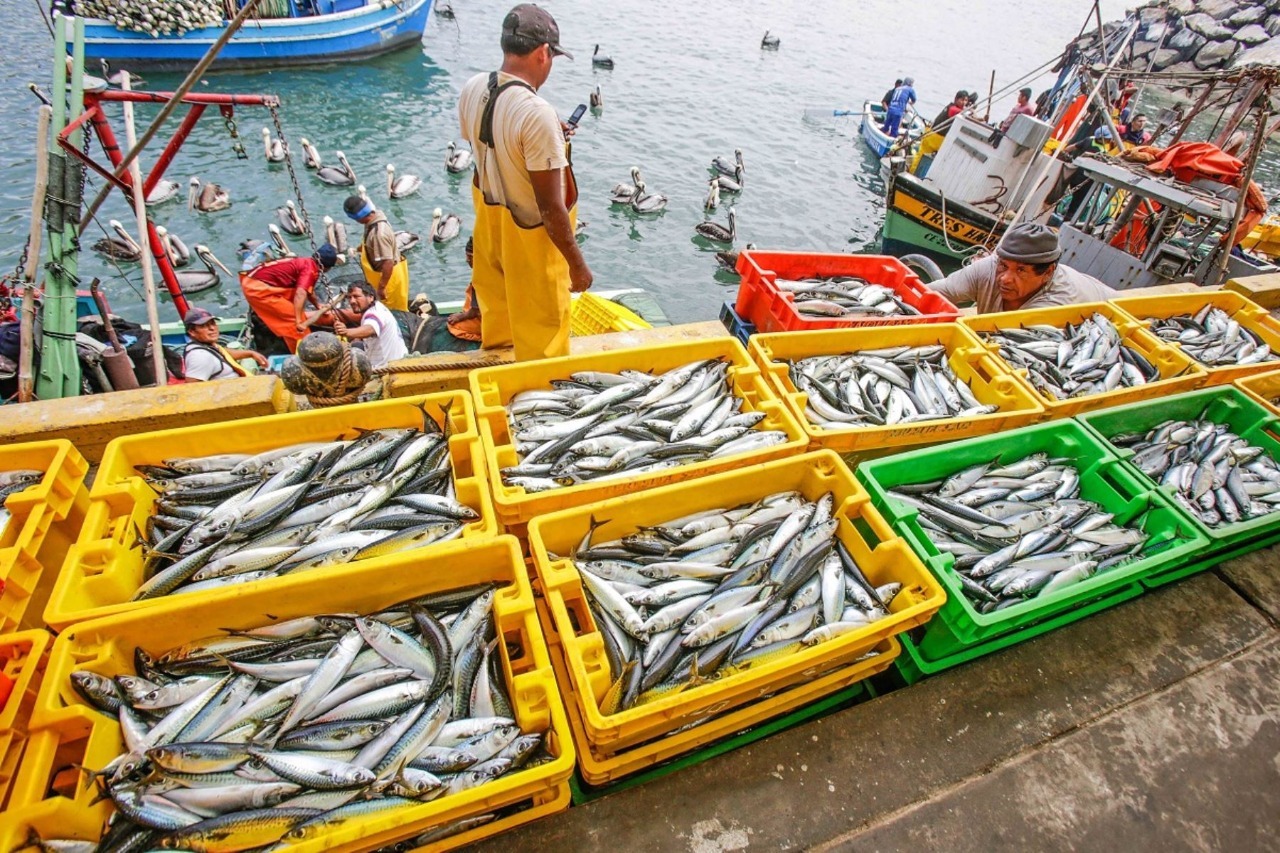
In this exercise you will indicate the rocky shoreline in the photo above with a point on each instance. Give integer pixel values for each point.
(1203, 35)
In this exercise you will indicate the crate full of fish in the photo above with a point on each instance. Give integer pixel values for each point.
(43, 501)
(406, 700)
(1078, 358)
(1263, 389)
(795, 291)
(22, 663)
(568, 431)
(1222, 331)
(682, 602)
(864, 389)
(1026, 526)
(206, 510)
(1215, 452)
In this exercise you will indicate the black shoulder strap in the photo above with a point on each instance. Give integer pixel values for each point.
(216, 352)
(486, 120)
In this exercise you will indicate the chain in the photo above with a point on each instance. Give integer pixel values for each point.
(297, 191)
(236, 145)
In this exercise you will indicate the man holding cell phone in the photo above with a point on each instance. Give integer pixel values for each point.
(525, 195)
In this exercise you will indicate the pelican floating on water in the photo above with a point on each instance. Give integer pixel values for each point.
(195, 281)
(597, 99)
(402, 187)
(713, 195)
(207, 198)
(278, 239)
(337, 176)
(272, 149)
(647, 202)
(163, 191)
(728, 184)
(310, 156)
(600, 61)
(117, 78)
(724, 167)
(458, 159)
(335, 234)
(729, 260)
(717, 233)
(406, 240)
(363, 193)
(290, 220)
(623, 193)
(179, 254)
(770, 42)
(445, 10)
(120, 248)
(444, 227)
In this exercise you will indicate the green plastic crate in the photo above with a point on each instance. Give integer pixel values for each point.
(1225, 405)
(1103, 480)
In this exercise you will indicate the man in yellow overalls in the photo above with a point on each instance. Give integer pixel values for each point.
(384, 267)
(526, 258)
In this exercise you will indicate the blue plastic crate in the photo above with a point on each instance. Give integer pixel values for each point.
(737, 326)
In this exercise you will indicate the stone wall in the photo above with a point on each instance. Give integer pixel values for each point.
(1203, 35)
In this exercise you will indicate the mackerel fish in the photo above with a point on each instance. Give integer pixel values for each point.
(1216, 475)
(12, 482)
(708, 595)
(1086, 358)
(224, 520)
(845, 296)
(241, 761)
(1020, 529)
(899, 385)
(596, 426)
(1213, 337)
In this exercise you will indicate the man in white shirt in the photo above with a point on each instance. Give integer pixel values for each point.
(205, 358)
(378, 327)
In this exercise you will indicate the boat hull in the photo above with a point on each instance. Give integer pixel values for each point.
(914, 222)
(357, 34)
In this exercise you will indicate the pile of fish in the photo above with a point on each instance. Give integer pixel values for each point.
(12, 482)
(281, 733)
(230, 519)
(1212, 338)
(1020, 530)
(713, 593)
(597, 426)
(845, 296)
(1218, 476)
(896, 385)
(1083, 359)
(155, 17)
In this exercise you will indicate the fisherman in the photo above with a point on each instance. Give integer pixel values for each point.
(384, 267)
(377, 327)
(1023, 273)
(903, 97)
(526, 258)
(1024, 107)
(888, 96)
(278, 292)
(1135, 133)
(932, 141)
(465, 325)
(205, 358)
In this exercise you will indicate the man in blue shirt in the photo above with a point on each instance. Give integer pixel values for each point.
(903, 96)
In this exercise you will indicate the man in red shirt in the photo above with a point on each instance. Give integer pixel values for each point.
(278, 292)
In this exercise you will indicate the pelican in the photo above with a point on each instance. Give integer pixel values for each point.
(406, 240)
(195, 281)
(724, 167)
(597, 99)
(444, 228)
(580, 228)
(123, 248)
(278, 239)
(310, 156)
(402, 187)
(335, 234)
(713, 195)
(363, 193)
(179, 254)
(729, 260)
(728, 184)
(717, 233)
(163, 191)
(647, 202)
(207, 198)
(600, 61)
(623, 193)
(770, 42)
(273, 149)
(290, 220)
(118, 78)
(457, 160)
(335, 176)
(445, 10)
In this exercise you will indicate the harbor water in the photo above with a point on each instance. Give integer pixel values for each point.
(690, 83)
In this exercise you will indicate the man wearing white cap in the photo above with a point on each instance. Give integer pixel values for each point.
(1023, 273)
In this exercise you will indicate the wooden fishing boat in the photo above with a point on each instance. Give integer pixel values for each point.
(877, 140)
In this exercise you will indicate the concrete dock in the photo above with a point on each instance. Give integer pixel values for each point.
(1152, 726)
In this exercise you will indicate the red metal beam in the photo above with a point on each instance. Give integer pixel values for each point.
(171, 149)
(206, 98)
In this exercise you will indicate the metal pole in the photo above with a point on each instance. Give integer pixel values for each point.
(1242, 110)
(1229, 241)
(140, 212)
(27, 318)
(192, 78)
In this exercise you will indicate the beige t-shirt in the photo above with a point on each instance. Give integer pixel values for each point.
(527, 137)
(977, 283)
(380, 240)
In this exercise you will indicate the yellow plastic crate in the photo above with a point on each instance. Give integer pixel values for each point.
(1248, 314)
(990, 380)
(22, 662)
(104, 568)
(1177, 371)
(66, 730)
(1263, 388)
(594, 315)
(44, 522)
(883, 557)
(493, 388)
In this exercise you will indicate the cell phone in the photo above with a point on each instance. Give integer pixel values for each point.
(577, 115)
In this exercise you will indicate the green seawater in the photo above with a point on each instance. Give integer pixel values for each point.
(690, 83)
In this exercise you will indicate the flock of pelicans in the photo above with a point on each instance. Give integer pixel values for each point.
(727, 177)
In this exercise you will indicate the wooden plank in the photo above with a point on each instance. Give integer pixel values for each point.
(1263, 289)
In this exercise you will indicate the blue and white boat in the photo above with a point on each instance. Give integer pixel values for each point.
(877, 140)
(313, 32)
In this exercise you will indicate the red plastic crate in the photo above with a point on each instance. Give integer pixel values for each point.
(771, 310)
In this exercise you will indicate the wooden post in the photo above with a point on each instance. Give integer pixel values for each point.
(1255, 151)
(27, 318)
(140, 213)
(991, 93)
